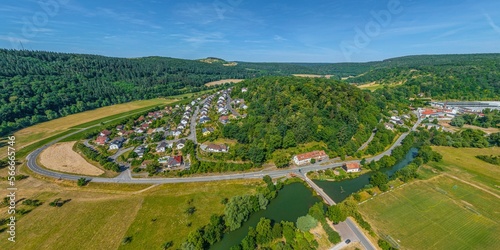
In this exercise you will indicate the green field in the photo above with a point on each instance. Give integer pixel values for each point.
(440, 213)
(100, 216)
(461, 162)
(168, 205)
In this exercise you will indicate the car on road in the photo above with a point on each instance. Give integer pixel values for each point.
(347, 241)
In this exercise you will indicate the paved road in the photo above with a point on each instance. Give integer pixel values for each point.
(359, 234)
(252, 175)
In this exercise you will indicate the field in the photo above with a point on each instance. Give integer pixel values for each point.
(44, 130)
(62, 158)
(441, 213)
(100, 216)
(371, 86)
(447, 125)
(461, 162)
(220, 82)
(313, 76)
(458, 209)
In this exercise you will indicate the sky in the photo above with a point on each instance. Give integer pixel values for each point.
(253, 30)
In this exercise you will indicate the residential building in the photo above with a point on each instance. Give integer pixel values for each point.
(307, 157)
(116, 143)
(101, 140)
(175, 161)
(351, 167)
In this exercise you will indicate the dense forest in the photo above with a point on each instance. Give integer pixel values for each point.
(457, 77)
(37, 86)
(286, 111)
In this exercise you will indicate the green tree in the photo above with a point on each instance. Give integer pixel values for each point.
(380, 180)
(264, 231)
(306, 223)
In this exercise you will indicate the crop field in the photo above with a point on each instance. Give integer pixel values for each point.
(220, 82)
(440, 213)
(61, 157)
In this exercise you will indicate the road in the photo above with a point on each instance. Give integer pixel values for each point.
(31, 162)
(346, 228)
(349, 230)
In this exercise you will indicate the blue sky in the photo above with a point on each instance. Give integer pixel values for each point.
(253, 30)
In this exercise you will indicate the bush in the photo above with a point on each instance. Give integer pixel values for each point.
(82, 182)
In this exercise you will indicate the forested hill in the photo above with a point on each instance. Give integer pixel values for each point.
(458, 77)
(36, 86)
(286, 111)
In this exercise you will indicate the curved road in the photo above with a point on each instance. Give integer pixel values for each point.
(32, 164)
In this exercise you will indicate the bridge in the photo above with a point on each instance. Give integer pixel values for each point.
(316, 188)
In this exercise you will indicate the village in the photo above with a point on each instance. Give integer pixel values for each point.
(157, 139)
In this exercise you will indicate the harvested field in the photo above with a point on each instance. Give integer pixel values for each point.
(223, 82)
(61, 157)
(313, 76)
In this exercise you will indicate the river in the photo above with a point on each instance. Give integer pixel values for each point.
(339, 190)
(293, 201)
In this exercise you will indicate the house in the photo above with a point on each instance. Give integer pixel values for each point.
(224, 119)
(116, 143)
(181, 144)
(139, 130)
(162, 146)
(184, 121)
(243, 106)
(120, 127)
(160, 129)
(140, 151)
(175, 161)
(351, 167)
(222, 148)
(204, 119)
(389, 126)
(177, 132)
(243, 90)
(101, 140)
(307, 157)
(105, 133)
(207, 131)
(145, 126)
(140, 119)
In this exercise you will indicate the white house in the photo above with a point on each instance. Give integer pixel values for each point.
(307, 157)
(351, 167)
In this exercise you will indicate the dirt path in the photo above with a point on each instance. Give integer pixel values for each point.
(472, 184)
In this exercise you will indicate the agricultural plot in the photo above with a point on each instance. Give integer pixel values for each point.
(440, 213)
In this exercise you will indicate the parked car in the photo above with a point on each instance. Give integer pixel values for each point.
(347, 241)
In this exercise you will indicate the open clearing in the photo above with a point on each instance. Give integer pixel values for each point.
(44, 130)
(461, 162)
(62, 158)
(313, 76)
(440, 213)
(99, 216)
(223, 82)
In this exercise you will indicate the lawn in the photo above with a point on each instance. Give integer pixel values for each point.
(440, 213)
(461, 162)
(100, 217)
(162, 217)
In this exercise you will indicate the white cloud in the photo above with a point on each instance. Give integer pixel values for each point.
(492, 24)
